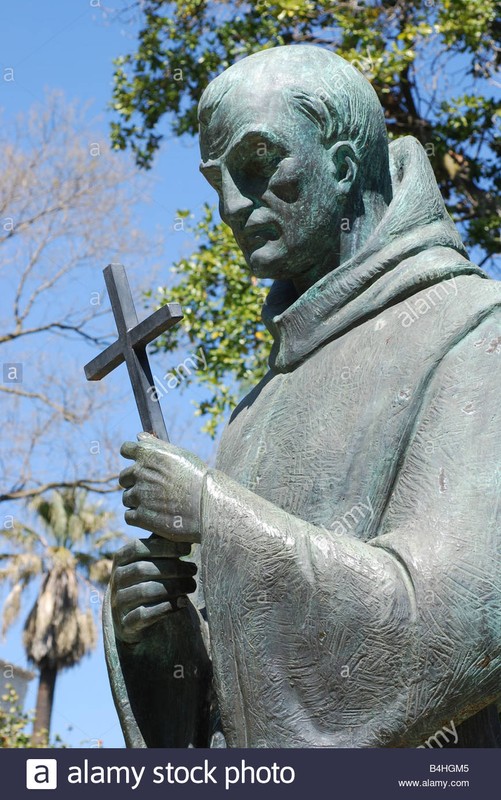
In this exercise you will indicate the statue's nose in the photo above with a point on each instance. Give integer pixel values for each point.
(234, 204)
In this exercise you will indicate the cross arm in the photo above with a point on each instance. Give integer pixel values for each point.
(142, 334)
(105, 362)
(160, 321)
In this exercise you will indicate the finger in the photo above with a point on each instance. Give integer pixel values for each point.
(155, 570)
(138, 518)
(145, 437)
(181, 547)
(135, 621)
(130, 498)
(133, 517)
(154, 547)
(149, 440)
(127, 477)
(149, 521)
(153, 592)
(129, 450)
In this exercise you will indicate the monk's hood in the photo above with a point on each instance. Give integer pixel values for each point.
(415, 246)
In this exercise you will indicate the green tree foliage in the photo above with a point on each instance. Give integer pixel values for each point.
(69, 556)
(13, 721)
(431, 63)
(220, 316)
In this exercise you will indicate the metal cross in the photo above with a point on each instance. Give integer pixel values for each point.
(133, 336)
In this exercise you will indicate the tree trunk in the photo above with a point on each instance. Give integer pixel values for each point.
(45, 700)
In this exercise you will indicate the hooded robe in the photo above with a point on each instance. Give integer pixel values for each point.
(351, 530)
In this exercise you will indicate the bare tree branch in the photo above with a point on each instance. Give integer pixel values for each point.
(55, 326)
(100, 486)
(65, 413)
(66, 206)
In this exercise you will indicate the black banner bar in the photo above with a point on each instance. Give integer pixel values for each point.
(246, 774)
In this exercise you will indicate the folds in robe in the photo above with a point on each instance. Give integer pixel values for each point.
(351, 537)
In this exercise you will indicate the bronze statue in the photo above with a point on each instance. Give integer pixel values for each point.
(350, 533)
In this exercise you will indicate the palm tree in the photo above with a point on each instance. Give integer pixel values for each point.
(70, 559)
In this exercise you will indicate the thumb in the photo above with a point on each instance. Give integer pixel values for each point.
(146, 437)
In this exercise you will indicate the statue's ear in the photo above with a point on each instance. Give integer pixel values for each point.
(345, 165)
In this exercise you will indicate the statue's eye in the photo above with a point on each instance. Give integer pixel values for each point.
(261, 166)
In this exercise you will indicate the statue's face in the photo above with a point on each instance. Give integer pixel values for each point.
(279, 187)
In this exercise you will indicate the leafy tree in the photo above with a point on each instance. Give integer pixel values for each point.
(14, 721)
(431, 63)
(70, 559)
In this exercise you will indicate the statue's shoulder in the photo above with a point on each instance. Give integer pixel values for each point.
(473, 299)
(476, 352)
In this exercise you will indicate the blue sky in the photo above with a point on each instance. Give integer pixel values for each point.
(70, 46)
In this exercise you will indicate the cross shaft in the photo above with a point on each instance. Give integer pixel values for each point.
(133, 337)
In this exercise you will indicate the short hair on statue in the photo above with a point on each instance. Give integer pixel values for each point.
(325, 88)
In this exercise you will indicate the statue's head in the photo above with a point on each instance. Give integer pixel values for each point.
(294, 141)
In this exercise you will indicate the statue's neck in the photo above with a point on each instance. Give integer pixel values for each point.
(354, 232)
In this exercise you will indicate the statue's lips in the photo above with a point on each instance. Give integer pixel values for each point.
(257, 235)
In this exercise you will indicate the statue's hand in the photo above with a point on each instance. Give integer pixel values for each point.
(147, 581)
(163, 489)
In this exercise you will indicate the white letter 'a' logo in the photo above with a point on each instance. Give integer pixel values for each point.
(41, 773)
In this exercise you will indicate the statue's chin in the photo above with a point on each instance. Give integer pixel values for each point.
(269, 261)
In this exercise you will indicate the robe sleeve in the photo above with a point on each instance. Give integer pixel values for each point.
(320, 639)
(162, 686)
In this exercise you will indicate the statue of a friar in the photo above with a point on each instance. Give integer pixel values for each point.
(350, 533)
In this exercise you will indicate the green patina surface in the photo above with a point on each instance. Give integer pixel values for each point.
(350, 532)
